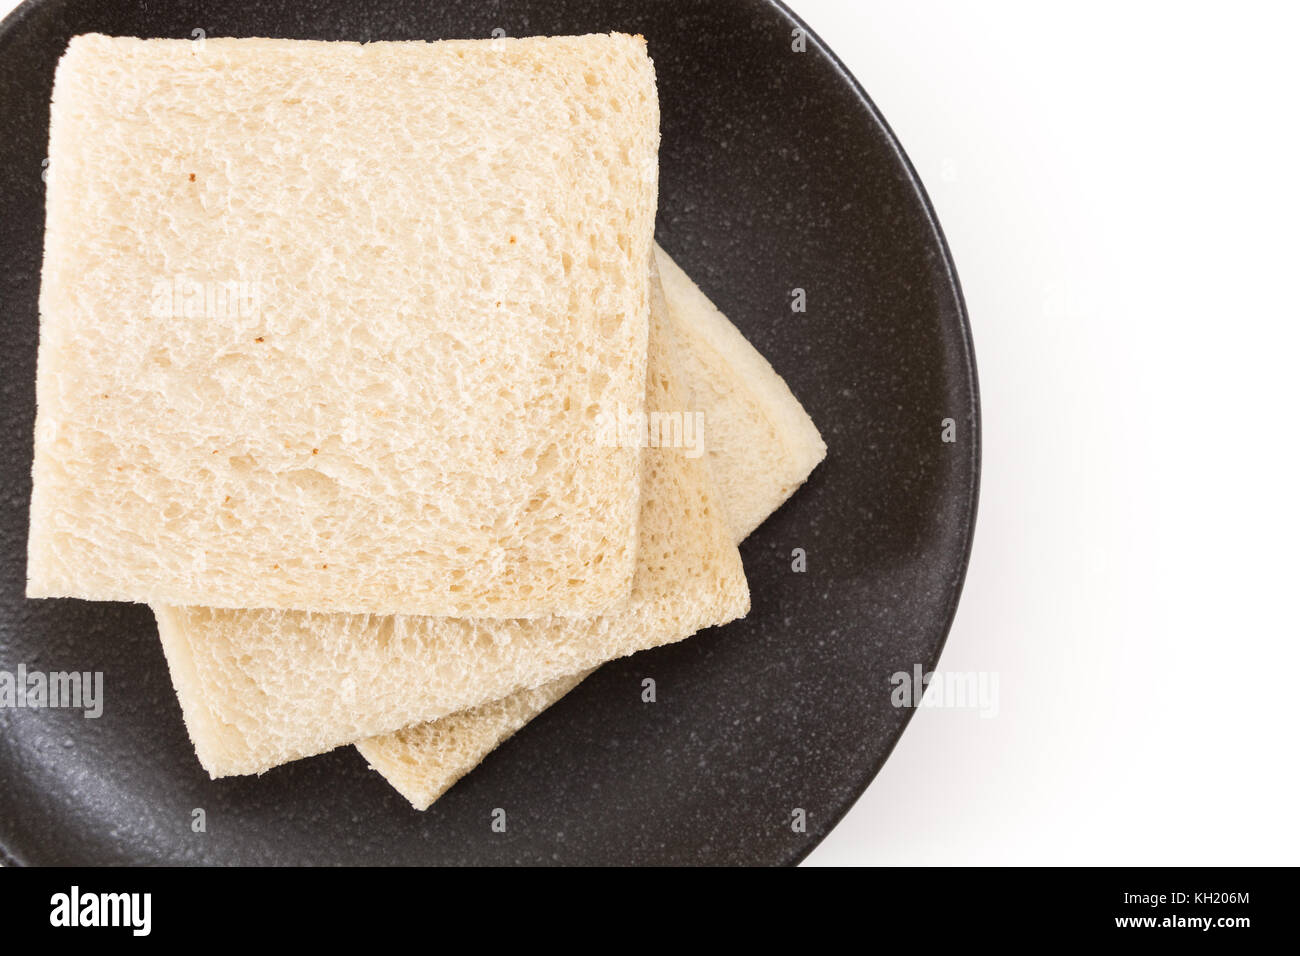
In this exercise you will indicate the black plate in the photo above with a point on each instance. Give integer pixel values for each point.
(777, 173)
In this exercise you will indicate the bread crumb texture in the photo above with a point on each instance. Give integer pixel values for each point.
(324, 326)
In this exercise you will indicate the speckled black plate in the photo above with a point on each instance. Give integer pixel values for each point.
(778, 173)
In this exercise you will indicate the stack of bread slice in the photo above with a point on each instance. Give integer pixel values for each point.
(331, 338)
(761, 446)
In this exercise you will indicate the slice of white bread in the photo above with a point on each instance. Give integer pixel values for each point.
(262, 687)
(761, 447)
(326, 325)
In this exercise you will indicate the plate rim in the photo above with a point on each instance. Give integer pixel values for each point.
(971, 511)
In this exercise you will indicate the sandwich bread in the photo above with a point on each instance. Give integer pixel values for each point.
(262, 687)
(325, 326)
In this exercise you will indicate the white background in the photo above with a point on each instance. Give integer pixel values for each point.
(1118, 183)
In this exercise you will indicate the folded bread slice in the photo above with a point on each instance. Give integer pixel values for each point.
(262, 687)
(761, 446)
(325, 326)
